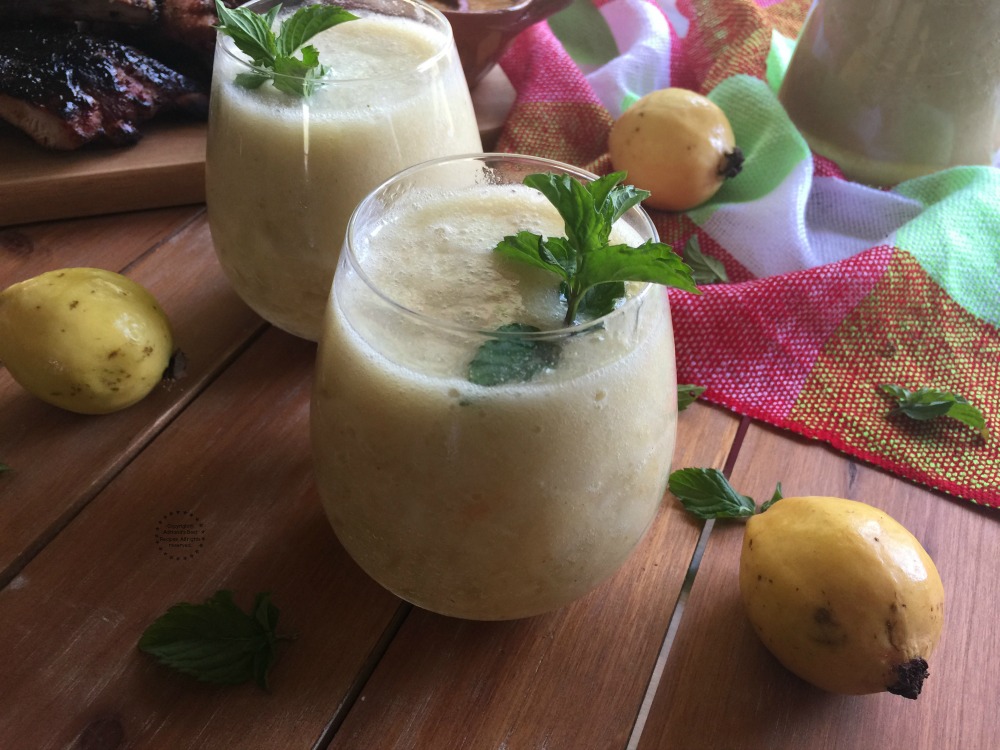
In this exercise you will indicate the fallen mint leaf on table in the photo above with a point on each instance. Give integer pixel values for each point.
(704, 268)
(216, 641)
(687, 395)
(929, 403)
(707, 494)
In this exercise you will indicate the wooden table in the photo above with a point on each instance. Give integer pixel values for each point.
(660, 656)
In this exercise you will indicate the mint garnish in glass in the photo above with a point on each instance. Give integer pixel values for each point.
(273, 54)
(590, 270)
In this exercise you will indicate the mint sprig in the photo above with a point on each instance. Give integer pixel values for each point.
(216, 641)
(274, 54)
(591, 271)
(584, 260)
(930, 403)
(706, 493)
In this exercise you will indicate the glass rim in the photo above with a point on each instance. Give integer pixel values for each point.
(350, 256)
(228, 47)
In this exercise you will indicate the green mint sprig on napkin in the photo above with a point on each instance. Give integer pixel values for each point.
(929, 403)
(253, 35)
(704, 268)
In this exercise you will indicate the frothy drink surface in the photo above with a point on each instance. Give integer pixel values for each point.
(485, 502)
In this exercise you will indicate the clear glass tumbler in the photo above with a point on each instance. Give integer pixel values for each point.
(284, 173)
(470, 499)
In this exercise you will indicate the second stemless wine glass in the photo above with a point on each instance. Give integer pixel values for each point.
(485, 490)
(284, 173)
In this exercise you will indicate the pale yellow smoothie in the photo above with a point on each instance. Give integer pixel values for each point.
(485, 502)
(284, 174)
(897, 89)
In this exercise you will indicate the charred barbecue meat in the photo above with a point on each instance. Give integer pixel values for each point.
(161, 24)
(65, 89)
(118, 11)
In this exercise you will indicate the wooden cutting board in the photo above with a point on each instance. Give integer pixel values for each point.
(165, 168)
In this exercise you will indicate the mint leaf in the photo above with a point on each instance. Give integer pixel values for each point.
(687, 395)
(582, 259)
(707, 494)
(4, 467)
(704, 268)
(251, 80)
(585, 226)
(512, 359)
(532, 249)
(599, 300)
(774, 498)
(274, 53)
(298, 76)
(929, 403)
(216, 641)
(306, 23)
(252, 32)
(651, 261)
(624, 198)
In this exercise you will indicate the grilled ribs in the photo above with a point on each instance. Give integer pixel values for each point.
(185, 23)
(119, 11)
(66, 89)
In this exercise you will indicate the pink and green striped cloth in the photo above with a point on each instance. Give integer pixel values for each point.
(834, 287)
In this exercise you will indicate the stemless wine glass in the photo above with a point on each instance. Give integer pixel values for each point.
(283, 173)
(485, 500)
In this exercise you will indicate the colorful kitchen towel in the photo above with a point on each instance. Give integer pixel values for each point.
(834, 288)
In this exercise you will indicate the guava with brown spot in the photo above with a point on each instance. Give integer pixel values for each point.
(842, 594)
(84, 339)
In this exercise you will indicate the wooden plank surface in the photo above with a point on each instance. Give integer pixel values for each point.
(238, 461)
(165, 168)
(61, 460)
(722, 689)
(574, 678)
(104, 241)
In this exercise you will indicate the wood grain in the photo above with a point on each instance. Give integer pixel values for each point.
(722, 689)
(238, 461)
(570, 679)
(165, 168)
(104, 241)
(61, 460)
